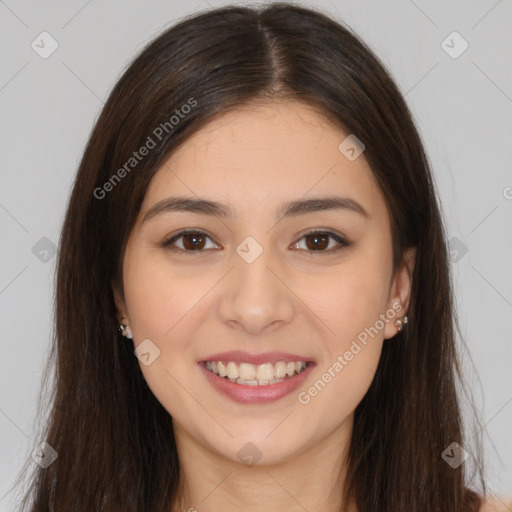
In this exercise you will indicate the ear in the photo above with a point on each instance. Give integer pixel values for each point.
(400, 291)
(122, 313)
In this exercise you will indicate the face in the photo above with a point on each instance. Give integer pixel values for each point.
(250, 283)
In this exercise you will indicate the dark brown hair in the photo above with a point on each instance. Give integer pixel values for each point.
(115, 443)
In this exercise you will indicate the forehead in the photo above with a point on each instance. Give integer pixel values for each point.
(263, 155)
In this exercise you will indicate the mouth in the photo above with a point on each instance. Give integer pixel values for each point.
(249, 383)
(247, 374)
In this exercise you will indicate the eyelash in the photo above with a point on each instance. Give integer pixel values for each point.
(168, 244)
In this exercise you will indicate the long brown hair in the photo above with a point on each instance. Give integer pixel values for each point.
(115, 442)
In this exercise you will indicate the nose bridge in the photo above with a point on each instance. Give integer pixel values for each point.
(254, 296)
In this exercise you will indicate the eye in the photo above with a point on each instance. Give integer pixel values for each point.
(193, 241)
(196, 241)
(318, 241)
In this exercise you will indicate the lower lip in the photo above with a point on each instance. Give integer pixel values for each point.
(256, 394)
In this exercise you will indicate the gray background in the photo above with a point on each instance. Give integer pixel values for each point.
(462, 106)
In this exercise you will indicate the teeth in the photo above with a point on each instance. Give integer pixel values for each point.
(247, 371)
(222, 369)
(232, 370)
(256, 375)
(247, 382)
(265, 371)
(290, 369)
(280, 370)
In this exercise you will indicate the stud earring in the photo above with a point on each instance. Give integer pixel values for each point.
(125, 331)
(399, 323)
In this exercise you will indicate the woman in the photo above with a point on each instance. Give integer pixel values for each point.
(253, 307)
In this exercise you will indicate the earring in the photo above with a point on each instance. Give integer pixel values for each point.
(400, 322)
(125, 331)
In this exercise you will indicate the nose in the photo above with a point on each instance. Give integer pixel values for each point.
(256, 296)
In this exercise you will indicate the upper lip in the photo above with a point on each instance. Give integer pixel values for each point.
(239, 356)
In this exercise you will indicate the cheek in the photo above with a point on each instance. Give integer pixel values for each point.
(168, 306)
(158, 297)
(348, 301)
(163, 307)
(350, 306)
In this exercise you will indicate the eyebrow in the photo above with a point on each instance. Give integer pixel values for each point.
(289, 209)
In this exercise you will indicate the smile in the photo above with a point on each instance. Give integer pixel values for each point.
(248, 383)
(256, 375)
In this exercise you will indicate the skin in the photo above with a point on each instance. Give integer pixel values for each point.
(289, 299)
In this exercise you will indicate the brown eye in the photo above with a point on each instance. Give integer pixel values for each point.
(192, 241)
(320, 241)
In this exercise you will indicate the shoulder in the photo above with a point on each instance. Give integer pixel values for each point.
(497, 504)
